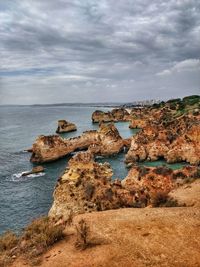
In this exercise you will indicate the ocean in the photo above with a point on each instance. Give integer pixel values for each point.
(24, 198)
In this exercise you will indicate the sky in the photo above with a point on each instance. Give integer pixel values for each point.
(55, 51)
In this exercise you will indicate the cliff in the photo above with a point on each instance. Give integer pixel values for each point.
(176, 140)
(87, 186)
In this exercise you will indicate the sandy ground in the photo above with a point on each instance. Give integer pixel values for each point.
(188, 193)
(156, 237)
(167, 237)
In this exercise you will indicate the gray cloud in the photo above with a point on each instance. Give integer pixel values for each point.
(84, 51)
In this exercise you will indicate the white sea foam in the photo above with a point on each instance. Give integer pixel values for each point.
(99, 157)
(17, 177)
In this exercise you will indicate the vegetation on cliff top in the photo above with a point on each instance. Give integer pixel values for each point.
(182, 106)
(34, 240)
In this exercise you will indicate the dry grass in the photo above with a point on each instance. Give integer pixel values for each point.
(8, 241)
(83, 230)
(161, 199)
(85, 238)
(38, 237)
(35, 239)
(8, 245)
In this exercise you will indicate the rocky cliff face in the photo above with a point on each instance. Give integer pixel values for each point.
(175, 141)
(141, 117)
(148, 182)
(186, 147)
(65, 127)
(118, 114)
(109, 141)
(87, 186)
(105, 141)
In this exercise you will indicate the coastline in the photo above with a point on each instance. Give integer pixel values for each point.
(165, 131)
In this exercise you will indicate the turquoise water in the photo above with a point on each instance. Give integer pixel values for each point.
(23, 199)
(174, 166)
(120, 170)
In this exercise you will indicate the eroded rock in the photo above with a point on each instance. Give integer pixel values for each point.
(175, 141)
(88, 186)
(65, 127)
(36, 169)
(105, 141)
(117, 114)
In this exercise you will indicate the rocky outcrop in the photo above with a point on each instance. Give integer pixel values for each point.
(105, 141)
(175, 141)
(138, 123)
(148, 182)
(141, 117)
(87, 186)
(99, 116)
(108, 141)
(118, 114)
(49, 148)
(36, 169)
(186, 147)
(65, 127)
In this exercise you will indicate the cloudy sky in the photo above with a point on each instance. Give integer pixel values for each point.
(54, 51)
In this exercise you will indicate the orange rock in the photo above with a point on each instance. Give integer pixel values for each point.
(176, 140)
(105, 141)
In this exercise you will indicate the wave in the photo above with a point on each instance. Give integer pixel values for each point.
(99, 157)
(21, 152)
(17, 177)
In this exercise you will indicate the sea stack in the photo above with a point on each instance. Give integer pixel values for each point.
(65, 127)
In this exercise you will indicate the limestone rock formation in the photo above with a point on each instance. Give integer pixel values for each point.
(150, 182)
(138, 123)
(105, 141)
(36, 169)
(186, 147)
(141, 117)
(65, 127)
(120, 114)
(86, 186)
(108, 141)
(175, 141)
(49, 148)
(117, 114)
(101, 116)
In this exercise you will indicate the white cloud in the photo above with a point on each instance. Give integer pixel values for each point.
(109, 48)
(182, 66)
(187, 65)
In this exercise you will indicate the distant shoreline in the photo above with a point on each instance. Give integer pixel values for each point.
(106, 105)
